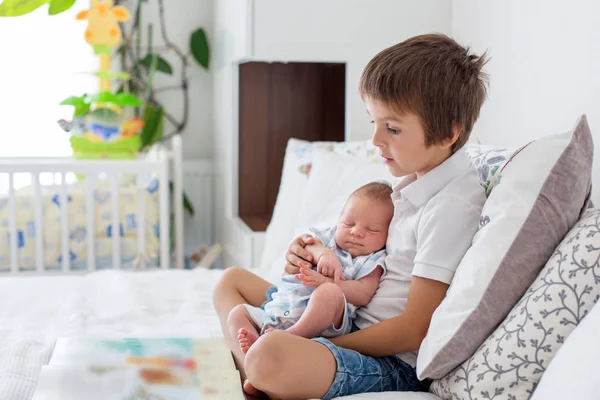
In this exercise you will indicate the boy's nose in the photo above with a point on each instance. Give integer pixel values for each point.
(377, 138)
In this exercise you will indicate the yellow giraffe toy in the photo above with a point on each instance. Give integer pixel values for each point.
(103, 32)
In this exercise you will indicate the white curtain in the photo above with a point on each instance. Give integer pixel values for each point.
(43, 60)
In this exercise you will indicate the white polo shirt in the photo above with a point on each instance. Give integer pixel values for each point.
(435, 219)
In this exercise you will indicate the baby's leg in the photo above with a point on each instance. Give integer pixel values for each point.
(325, 307)
(242, 326)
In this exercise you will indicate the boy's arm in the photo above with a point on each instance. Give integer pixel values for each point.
(405, 332)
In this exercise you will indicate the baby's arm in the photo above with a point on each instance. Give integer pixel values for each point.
(327, 261)
(361, 291)
(358, 292)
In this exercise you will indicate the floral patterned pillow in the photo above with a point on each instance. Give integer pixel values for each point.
(510, 363)
(489, 161)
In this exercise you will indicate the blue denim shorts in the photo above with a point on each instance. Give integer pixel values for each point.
(357, 373)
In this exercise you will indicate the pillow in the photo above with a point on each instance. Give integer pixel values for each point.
(297, 164)
(573, 373)
(332, 180)
(333, 177)
(511, 362)
(489, 161)
(541, 194)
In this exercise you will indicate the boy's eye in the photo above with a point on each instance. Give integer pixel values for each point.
(371, 122)
(348, 224)
(373, 230)
(393, 131)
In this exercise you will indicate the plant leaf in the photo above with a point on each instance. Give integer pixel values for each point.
(162, 65)
(153, 126)
(82, 107)
(58, 6)
(199, 47)
(128, 99)
(72, 101)
(15, 8)
(112, 75)
(187, 204)
(104, 97)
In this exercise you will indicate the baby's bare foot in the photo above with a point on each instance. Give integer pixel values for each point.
(246, 339)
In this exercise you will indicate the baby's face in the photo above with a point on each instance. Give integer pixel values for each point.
(363, 225)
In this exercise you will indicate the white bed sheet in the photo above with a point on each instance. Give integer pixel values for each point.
(34, 311)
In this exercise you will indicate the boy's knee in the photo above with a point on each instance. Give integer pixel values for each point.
(226, 282)
(265, 361)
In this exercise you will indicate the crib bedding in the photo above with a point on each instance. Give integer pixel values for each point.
(34, 311)
(129, 223)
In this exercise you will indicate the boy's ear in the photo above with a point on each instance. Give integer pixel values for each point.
(456, 131)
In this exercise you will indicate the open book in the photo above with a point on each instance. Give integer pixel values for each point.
(136, 369)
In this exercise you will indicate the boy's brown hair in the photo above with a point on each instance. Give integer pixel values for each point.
(434, 77)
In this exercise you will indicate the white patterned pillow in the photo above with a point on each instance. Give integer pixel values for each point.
(510, 363)
(489, 161)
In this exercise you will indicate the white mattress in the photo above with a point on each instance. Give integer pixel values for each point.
(34, 311)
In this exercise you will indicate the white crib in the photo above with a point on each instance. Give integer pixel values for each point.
(164, 165)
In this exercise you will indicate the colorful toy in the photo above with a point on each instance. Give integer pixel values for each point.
(100, 128)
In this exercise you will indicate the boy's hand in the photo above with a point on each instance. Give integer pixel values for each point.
(312, 278)
(297, 256)
(330, 266)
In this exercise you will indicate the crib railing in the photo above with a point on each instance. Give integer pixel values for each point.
(90, 169)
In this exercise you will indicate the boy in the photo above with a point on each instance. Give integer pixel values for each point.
(423, 95)
(348, 268)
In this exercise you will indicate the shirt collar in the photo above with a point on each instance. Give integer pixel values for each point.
(419, 191)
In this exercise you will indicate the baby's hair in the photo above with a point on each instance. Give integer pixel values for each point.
(380, 191)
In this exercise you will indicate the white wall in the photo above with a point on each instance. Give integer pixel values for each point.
(346, 31)
(350, 31)
(544, 68)
(182, 17)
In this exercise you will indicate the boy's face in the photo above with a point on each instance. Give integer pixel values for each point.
(363, 226)
(401, 141)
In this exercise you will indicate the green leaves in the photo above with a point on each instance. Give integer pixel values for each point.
(58, 6)
(15, 8)
(162, 65)
(112, 75)
(153, 126)
(187, 204)
(121, 99)
(128, 99)
(81, 104)
(199, 47)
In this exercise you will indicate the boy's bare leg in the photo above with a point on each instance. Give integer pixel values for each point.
(290, 367)
(325, 307)
(237, 286)
(242, 327)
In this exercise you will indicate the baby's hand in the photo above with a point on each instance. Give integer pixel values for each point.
(312, 278)
(330, 266)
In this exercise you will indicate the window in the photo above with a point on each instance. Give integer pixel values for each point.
(45, 59)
